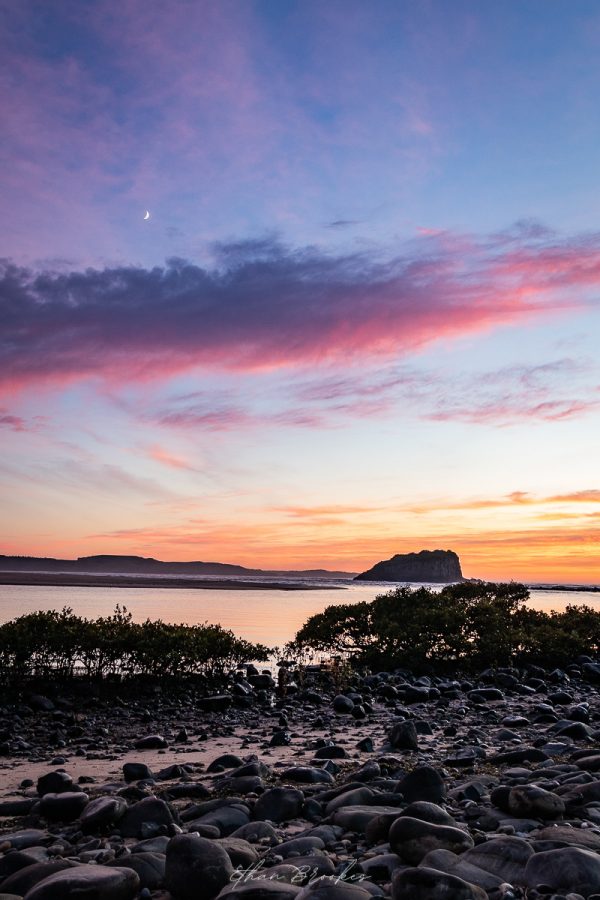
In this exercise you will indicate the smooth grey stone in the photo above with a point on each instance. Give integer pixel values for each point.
(225, 761)
(54, 783)
(257, 832)
(571, 869)
(504, 856)
(150, 810)
(342, 704)
(446, 861)
(357, 818)
(428, 812)
(357, 797)
(151, 742)
(307, 775)
(423, 783)
(300, 846)
(89, 882)
(430, 884)
(22, 881)
(150, 868)
(329, 890)
(27, 837)
(64, 807)
(260, 890)
(196, 868)
(412, 839)
(152, 845)
(226, 818)
(578, 837)
(133, 771)
(279, 804)
(240, 852)
(528, 800)
(102, 812)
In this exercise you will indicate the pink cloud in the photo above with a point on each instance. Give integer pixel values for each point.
(267, 306)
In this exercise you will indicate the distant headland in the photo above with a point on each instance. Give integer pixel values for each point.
(428, 566)
(114, 564)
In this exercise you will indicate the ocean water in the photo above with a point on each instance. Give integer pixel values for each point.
(270, 617)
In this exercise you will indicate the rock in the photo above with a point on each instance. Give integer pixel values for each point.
(257, 832)
(147, 812)
(569, 869)
(342, 704)
(426, 566)
(505, 857)
(54, 783)
(412, 839)
(225, 761)
(279, 804)
(65, 807)
(579, 837)
(331, 752)
(22, 881)
(429, 884)
(133, 771)
(151, 742)
(451, 864)
(357, 818)
(356, 797)
(239, 851)
(330, 890)
(196, 869)
(216, 703)
(226, 818)
(89, 882)
(260, 890)
(428, 812)
(423, 783)
(150, 868)
(307, 775)
(102, 813)
(527, 800)
(28, 837)
(300, 846)
(403, 736)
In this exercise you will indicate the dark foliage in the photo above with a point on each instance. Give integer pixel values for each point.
(61, 646)
(470, 626)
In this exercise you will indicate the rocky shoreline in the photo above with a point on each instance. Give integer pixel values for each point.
(384, 786)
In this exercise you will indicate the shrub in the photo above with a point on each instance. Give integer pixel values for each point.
(469, 625)
(60, 645)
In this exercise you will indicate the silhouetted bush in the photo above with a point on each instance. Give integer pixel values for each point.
(470, 625)
(61, 646)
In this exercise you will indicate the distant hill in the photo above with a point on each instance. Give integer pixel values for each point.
(141, 565)
(426, 566)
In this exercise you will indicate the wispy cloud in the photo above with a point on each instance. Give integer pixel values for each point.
(266, 306)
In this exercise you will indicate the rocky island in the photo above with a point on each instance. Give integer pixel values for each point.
(427, 566)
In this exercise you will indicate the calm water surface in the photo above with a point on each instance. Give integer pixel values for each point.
(269, 617)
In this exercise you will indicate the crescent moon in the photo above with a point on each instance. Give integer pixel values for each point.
(147, 215)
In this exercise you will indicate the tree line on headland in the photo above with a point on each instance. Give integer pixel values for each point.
(466, 626)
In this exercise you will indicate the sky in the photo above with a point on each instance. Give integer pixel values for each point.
(362, 316)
